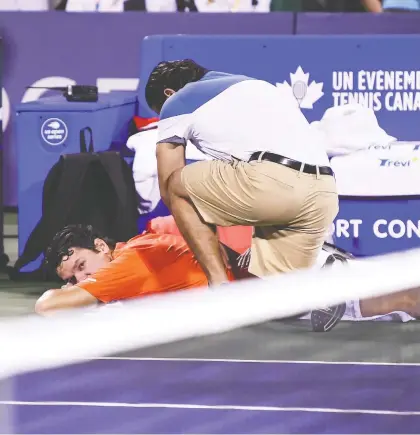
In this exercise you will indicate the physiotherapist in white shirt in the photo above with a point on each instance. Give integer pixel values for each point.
(276, 179)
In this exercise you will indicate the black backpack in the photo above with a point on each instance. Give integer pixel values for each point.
(86, 188)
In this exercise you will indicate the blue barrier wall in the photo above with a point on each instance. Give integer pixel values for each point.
(57, 48)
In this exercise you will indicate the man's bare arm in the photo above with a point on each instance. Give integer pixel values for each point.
(170, 157)
(201, 237)
(61, 299)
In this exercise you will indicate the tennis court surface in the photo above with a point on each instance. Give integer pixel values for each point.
(277, 377)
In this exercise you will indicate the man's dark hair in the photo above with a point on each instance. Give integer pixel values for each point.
(173, 74)
(70, 237)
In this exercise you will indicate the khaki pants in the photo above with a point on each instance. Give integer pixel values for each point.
(291, 211)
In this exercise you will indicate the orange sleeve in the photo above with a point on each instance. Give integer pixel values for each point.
(122, 278)
(237, 238)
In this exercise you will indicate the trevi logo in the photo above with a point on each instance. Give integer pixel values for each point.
(307, 94)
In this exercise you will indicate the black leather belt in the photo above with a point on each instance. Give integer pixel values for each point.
(294, 164)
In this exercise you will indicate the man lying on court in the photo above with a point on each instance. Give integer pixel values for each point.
(99, 270)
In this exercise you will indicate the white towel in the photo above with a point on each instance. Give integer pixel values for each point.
(145, 166)
(350, 128)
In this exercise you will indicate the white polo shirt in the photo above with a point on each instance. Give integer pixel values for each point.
(231, 116)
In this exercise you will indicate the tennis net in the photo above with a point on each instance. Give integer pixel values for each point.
(38, 352)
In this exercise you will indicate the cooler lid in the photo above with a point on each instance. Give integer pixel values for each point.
(58, 103)
(390, 170)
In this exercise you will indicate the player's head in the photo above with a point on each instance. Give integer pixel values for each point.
(169, 77)
(78, 251)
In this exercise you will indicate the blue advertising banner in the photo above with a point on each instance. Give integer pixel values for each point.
(322, 71)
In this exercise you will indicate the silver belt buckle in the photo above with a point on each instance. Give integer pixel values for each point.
(261, 156)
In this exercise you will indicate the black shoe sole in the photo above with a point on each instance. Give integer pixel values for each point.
(324, 320)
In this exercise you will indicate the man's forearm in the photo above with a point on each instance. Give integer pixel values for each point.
(61, 299)
(201, 238)
(170, 158)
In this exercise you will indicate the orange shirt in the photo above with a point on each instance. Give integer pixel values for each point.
(236, 238)
(146, 264)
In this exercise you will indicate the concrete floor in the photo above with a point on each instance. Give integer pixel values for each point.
(11, 233)
(15, 298)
